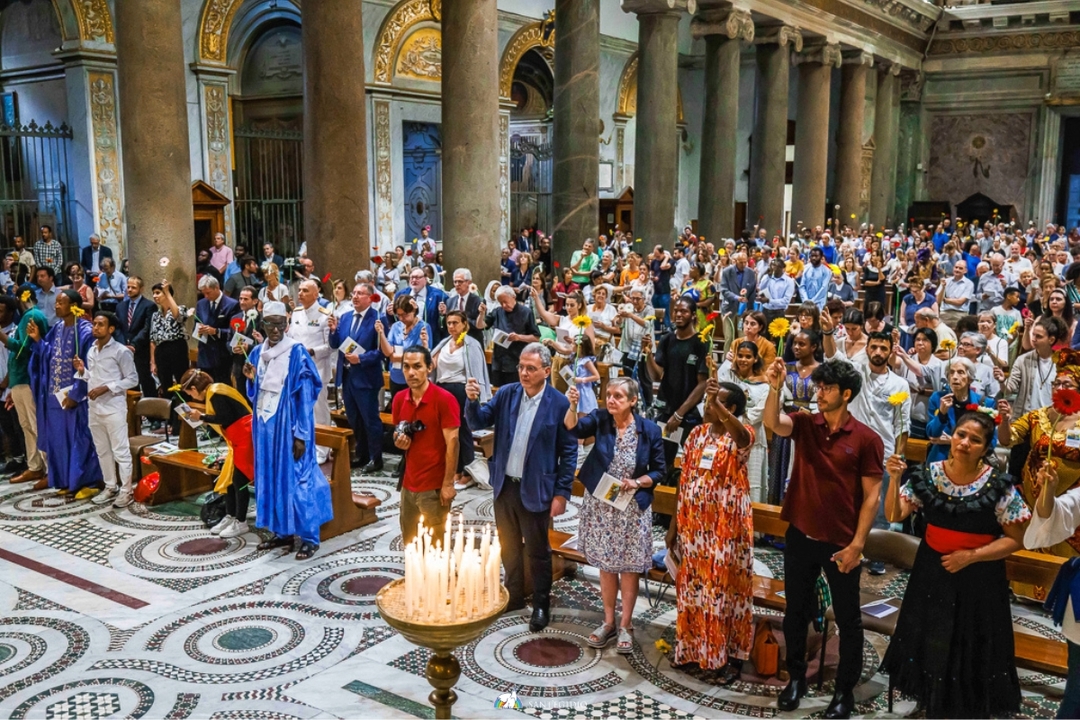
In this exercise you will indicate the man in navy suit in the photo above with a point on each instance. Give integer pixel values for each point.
(360, 373)
(91, 256)
(213, 313)
(428, 299)
(532, 472)
(134, 313)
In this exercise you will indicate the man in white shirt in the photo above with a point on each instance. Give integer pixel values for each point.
(956, 295)
(1017, 263)
(681, 270)
(103, 381)
(310, 327)
(991, 289)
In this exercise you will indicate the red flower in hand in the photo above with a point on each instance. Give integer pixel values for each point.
(556, 263)
(237, 324)
(971, 407)
(1066, 401)
(712, 316)
(326, 278)
(375, 298)
(377, 259)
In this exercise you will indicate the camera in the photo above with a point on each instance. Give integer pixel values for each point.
(408, 429)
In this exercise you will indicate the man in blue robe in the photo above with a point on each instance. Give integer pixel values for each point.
(63, 425)
(292, 494)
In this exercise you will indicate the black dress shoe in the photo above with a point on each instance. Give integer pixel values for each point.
(842, 705)
(539, 619)
(790, 695)
(358, 463)
(371, 467)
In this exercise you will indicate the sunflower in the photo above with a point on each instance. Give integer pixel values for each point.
(663, 646)
(78, 312)
(175, 388)
(25, 296)
(898, 398)
(948, 344)
(779, 327)
(582, 321)
(460, 339)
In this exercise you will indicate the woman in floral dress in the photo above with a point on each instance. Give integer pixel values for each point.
(618, 542)
(712, 538)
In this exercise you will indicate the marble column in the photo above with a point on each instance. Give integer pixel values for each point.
(849, 132)
(470, 129)
(156, 156)
(575, 202)
(811, 171)
(724, 32)
(336, 202)
(886, 126)
(655, 142)
(768, 145)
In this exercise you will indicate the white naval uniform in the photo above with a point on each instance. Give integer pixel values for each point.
(311, 329)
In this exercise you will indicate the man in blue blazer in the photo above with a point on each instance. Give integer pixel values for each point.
(361, 376)
(214, 312)
(429, 299)
(532, 472)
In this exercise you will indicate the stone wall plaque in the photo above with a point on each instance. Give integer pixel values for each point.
(1066, 77)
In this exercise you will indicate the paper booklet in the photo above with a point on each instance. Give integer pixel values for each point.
(200, 338)
(184, 411)
(609, 490)
(500, 338)
(62, 393)
(239, 340)
(350, 346)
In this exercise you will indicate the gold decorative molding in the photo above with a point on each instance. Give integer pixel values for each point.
(533, 35)
(215, 21)
(1061, 40)
(627, 102)
(504, 174)
(218, 152)
(421, 55)
(95, 20)
(394, 28)
(107, 180)
(384, 186)
(866, 171)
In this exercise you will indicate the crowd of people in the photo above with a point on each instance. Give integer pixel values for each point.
(784, 370)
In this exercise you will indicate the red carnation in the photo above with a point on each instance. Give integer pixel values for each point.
(376, 298)
(377, 259)
(971, 407)
(1066, 401)
(408, 252)
(326, 278)
(557, 266)
(237, 324)
(712, 316)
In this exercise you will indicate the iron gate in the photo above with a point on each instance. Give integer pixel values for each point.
(34, 183)
(270, 189)
(530, 183)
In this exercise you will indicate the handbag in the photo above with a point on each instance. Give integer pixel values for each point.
(766, 651)
(213, 511)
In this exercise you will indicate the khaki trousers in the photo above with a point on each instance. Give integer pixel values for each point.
(23, 397)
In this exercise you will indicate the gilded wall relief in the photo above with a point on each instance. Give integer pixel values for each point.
(107, 180)
(395, 26)
(95, 21)
(384, 186)
(218, 152)
(421, 55)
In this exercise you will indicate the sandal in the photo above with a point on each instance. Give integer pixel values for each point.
(306, 550)
(625, 646)
(601, 636)
(274, 542)
(728, 674)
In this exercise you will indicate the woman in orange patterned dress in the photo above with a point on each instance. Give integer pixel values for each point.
(712, 537)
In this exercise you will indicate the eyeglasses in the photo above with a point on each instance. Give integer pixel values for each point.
(529, 369)
(1063, 384)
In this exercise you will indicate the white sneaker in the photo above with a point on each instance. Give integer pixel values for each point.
(123, 499)
(105, 496)
(465, 483)
(222, 524)
(234, 529)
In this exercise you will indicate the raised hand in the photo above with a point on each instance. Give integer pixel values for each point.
(472, 389)
(379, 328)
(776, 373)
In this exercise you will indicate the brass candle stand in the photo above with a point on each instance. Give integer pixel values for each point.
(441, 637)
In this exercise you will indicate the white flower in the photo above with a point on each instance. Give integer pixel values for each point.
(164, 262)
(252, 314)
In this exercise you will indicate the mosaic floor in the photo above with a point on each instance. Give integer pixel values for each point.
(122, 613)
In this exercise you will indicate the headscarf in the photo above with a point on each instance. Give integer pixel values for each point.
(1068, 363)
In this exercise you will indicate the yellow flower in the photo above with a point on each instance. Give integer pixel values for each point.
(835, 268)
(852, 216)
(947, 344)
(1014, 328)
(649, 318)
(706, 333)
(461, 338)
(779, 327)
(663, 646)
(721, 252)
(77, 311)
(637, 240)
(175, 388)
(880, 235)
(25, 297)
(582, 321)
(898, 398)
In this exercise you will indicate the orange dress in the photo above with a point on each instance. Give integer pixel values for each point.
(715, 587)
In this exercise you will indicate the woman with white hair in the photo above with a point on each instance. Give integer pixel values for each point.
(948, 405)
(972, 345)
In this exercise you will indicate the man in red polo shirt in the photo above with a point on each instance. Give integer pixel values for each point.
(830, 506)
(427, 489)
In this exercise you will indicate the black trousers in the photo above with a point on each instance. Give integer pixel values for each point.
(222, 372)
(362, 409)
(804, 559)
(523, 533)
(643, 379)
(237, 496)
(466, 451)
(172, 362)
(9, 427)
(142, 367)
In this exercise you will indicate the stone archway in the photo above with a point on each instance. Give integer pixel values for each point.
(215, 21)
(85, 20)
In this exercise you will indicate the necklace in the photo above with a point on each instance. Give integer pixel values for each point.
(1043, 378)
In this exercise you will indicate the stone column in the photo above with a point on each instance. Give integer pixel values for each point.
(811, 171)
(336, 201)
(655, 142)
(849, 148)
(886, 124)
(575, 202)
(470, 128)
(724, 32)
(768, 149)
(156, 155)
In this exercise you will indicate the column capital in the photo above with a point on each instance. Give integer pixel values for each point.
(206, 71)
(889, 66)
(858, 57)
(732, 24)
(824, 54)
(781, 36)
(659, 7)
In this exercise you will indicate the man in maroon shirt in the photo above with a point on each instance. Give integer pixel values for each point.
(427, 488)
(830, 506)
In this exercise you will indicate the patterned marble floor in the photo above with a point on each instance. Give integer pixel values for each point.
(126, 613)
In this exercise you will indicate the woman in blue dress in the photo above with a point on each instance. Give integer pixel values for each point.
(949, 404)
(585, 375)
(916, 299)
(408, 330)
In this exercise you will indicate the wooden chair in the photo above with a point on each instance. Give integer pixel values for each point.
(154, 409)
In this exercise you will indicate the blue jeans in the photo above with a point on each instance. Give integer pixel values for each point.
(1070, 703)
(662, 301)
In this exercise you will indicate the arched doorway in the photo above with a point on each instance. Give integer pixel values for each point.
(532, 92)
(267, 105)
